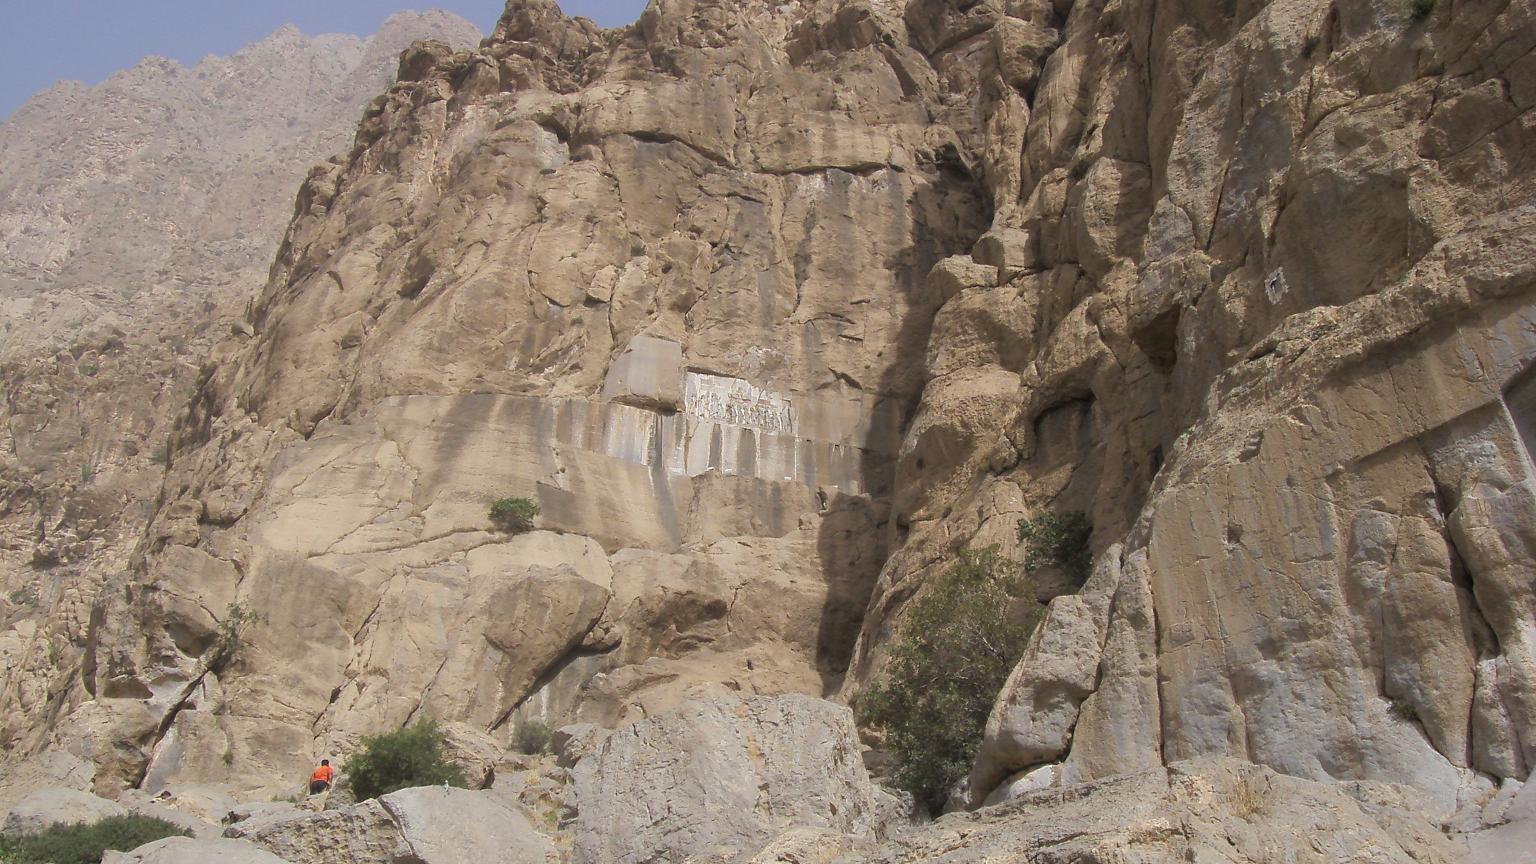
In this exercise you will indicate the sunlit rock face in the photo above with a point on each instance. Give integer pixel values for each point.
(773, 308)
(137, 218)
(679, 298)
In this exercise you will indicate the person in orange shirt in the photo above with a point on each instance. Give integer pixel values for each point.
(321, 779)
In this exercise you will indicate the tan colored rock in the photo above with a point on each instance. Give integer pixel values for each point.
(362, 832)
(1038, 706)
(1221, 810)
(185, 850)
(1252, 291)
(720, 776)
(125, 252)
(649, 374)
(804, 846)
(46, 808)
(443, 826)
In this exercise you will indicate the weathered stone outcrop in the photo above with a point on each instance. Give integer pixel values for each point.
(45, 808)
(677, 297)
(1269, 317)
(136, 219)
(185, 850)
(1209, 809)
(773, 308)
(719, 778)
(428, 825)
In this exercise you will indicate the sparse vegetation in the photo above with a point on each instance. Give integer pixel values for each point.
(531, 737)
(230, 637)
(956, 646)
(229, 756)
(407, 757)
(1248, 799)
(1418, 10)
(1059, 539)
(85, 844)
(514, 515)
(161, 455)
(1402, 709)
(23, 597)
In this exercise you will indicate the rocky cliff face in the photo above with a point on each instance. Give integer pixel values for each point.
(774, 308)
(136, 219)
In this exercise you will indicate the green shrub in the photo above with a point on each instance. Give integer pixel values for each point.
(1418, 10)
(959, 641)
(85, 844)
(1060, 539)
(531, 737)
(230, 636)
(1402, 709)
(514, 514)
(24, 597)
(407, 757)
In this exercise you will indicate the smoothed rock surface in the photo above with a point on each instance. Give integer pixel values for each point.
(720, 777)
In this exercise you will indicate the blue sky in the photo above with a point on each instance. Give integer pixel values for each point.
(43, 41)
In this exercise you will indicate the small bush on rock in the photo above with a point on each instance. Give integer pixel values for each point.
(230, 637)
(1402, 709)
(85, 844)
(531, 738)
(23, 597)
(407, 757)
(1060, 539)
(514, 514)
(959, 641)
(1418, 10)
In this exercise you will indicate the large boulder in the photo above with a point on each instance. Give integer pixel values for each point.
(427, 825)
(445, 826)
(185, 850)
(48, 807)
(722, 775)
(1202, 810)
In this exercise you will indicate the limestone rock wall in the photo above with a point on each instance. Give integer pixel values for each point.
(675, 294)
(1263, 285)
(137, 217)
(774, 308)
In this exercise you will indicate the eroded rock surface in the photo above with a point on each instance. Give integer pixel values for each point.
(137, 217)
(45, 808)
(773, 308)
(720, 777)
(1216, 810)
(428, 825)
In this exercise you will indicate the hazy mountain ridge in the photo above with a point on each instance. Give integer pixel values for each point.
(137, 218)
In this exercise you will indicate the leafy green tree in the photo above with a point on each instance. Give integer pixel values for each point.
(407, 757)
(961, 637)
(85, 843)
